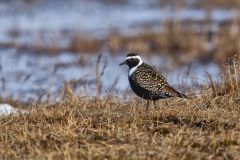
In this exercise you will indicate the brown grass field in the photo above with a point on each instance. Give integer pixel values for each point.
(79, 128)
(207, 126)
(203, 127)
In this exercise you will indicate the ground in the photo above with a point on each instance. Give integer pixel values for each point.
(110, 128)
(61, 59)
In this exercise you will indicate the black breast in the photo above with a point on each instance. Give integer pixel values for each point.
(146, 82)
(141, 92)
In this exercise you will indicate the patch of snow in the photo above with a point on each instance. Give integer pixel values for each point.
(6, 109)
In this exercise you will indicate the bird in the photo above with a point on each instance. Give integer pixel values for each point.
(146, 82)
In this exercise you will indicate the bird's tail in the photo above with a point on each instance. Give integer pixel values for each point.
(173, 92)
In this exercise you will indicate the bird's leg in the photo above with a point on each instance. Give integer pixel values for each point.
(147, 107)
(154, 102)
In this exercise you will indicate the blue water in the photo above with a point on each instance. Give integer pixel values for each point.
(27, 76)
(47, 20)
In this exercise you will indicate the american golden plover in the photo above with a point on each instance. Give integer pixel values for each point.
(147, 82)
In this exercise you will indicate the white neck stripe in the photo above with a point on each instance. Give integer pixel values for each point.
(132, 70)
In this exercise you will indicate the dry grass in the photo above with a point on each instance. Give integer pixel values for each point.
(204, 127)
(81, 128)
(178, 40)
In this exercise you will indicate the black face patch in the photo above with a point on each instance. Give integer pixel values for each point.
(132, 62)
(132, 54)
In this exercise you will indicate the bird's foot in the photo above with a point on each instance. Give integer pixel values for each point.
(155, 105)
(147, 107)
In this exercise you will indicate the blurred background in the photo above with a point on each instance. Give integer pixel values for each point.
(52, 48)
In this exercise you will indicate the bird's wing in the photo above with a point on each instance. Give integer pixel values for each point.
(149, 78)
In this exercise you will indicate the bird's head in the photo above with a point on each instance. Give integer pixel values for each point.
(132, 60)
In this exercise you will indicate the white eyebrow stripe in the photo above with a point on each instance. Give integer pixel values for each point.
(138, 57)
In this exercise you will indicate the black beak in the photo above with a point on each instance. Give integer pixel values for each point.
(122, 63)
